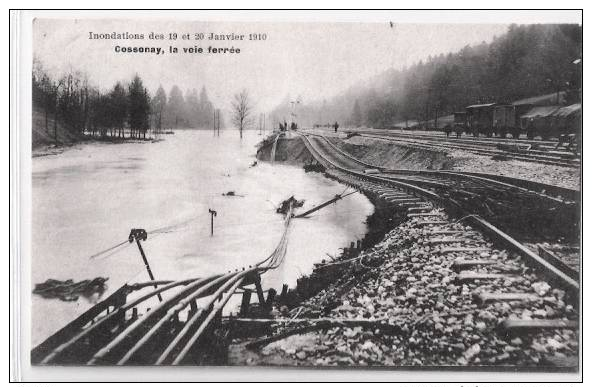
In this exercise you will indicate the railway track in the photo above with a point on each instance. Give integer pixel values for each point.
(546, 212)
(498, 276)
(132, 327)
(482, 147)
(496, 268)
(440, 135)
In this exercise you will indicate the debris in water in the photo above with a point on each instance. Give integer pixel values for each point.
(69, 290)
(285, 205)
(314, 168)
(254, 164)
(232, 193)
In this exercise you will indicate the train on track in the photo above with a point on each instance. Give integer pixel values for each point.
(545, 116)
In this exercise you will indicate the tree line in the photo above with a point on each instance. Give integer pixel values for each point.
(526, 61)
(127, 110)
(178, 110)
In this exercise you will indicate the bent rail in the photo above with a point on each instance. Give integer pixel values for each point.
(106, 334)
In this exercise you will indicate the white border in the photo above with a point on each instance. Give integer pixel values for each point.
(22, 185)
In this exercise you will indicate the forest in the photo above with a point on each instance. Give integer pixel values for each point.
(72, 104)
(527, 60)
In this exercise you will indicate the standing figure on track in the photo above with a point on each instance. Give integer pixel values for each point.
(336, 126)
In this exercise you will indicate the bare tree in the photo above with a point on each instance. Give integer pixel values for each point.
(241, 111)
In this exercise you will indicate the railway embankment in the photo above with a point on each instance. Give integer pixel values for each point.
(430, 291)
(400, 303)
(394, 156)
(293, 151)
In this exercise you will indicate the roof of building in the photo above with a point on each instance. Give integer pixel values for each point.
(540, 100)
(403, 124)
(480, 105)
(442, 121)
(568, 111)
(541, 111)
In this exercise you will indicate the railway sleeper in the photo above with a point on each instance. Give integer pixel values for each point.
(469, 276)
(460, 264)
(515, 327)
(410, 205)
(488, 297)
(424, 214)
(451, 240)
(422, 223)
(450, 232)
(399, 199)
(447, 250)
(423, 209)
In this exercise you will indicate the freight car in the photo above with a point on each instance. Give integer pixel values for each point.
(521, 117)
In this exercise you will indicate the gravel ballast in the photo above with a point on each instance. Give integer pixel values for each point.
(423, 315)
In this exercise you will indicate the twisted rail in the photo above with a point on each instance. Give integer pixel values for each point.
(104, 335)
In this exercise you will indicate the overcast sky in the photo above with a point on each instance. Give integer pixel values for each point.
(310, 60)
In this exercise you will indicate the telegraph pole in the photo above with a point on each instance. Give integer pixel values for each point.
(217, 112)
(139, 234)
(212, 214)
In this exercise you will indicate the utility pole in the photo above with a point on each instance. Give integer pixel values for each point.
(217, 122)
(139, 234)
(292, 114)
(212, 214)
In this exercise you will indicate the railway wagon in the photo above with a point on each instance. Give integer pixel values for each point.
(552, 121)
(480, 119)
(459, 124)
(538, 122)
(504, 121)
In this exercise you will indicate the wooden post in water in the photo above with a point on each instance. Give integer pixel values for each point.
(259, 289)
(284, 293)
(212, 214)
(245, 303)
(270, 297)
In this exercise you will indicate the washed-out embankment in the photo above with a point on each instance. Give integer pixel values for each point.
(397, 303)
(385, 217)
(388, 155)
(328, 277)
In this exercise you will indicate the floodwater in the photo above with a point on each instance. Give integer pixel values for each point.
(87, 199)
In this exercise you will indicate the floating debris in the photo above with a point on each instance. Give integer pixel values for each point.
(69, 290)
(254, 164)
(232, 193)
(314, 168)
(285, 205)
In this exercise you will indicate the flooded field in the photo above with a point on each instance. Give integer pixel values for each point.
(87, 199)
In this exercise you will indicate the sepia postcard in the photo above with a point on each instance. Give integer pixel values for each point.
(297, 191)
